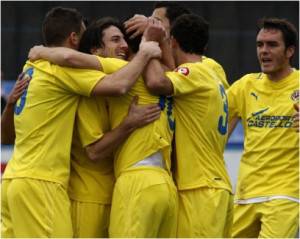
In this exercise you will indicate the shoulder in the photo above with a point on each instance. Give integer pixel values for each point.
(245, 83)
(115, 61)
(249, 78)
(212, 63)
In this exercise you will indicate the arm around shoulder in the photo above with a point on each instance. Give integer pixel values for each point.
(64, 56)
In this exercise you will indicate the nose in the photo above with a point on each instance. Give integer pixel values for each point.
(124, 45)
(264, 48)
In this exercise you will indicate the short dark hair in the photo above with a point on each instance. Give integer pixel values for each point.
(59, 23)
(93, 35)
(134, 43)
(289, 31)
(191, 33)
(173, 9)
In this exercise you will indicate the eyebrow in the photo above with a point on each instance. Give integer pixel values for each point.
(157, 18)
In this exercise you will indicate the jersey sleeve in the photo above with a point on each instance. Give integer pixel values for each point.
(90, 125)
(79, 81)
(186, 79)
(111, 65)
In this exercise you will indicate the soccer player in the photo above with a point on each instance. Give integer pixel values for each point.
(145, 198)
(34, 197)
(200, 110)
(91, 183)
(267, 193)
(167, 12)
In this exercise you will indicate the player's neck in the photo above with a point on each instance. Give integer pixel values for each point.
(68, 44)
(188, 58)
(281, 74)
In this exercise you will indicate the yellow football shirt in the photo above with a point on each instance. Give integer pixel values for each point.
(90, 181)
(146, 140)
(270, 161)
(44, 119)
(217, 68)
(200, 105)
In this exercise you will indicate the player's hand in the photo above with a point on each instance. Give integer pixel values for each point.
(141, 115)
(154, 31)
(296, 117)
(136, 25)
(18, 89)
(35, 53)
(150, 48)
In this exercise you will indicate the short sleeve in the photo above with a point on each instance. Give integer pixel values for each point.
(91, 119)
(187, 79)
(79, 81)
(111, 65)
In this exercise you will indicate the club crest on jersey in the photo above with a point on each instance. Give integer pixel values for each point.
(295, 95)
(183, 70)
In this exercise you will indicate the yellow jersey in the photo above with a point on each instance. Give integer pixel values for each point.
(200, 110)
(217, 68)
(270, 161)
(44, 119)
(90, 181)
(144, 141)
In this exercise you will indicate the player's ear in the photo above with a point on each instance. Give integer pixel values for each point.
(174, 43)
(74, 39)
(290, 51)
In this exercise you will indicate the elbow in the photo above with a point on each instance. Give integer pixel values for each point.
(91, 153)
(122, 90)
(155, 87)
(69, 59)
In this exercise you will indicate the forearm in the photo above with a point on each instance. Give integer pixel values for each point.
(232, 124)
(68, 57)
(167, 56)
(121, 81)
(105, 147)
(155, 79)
(128, 75)
(7, 125)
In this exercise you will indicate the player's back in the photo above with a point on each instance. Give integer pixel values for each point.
(201, 127)
(44, 119)
(218, 69)
(143, 141)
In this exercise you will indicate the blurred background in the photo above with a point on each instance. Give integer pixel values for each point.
(232, 39)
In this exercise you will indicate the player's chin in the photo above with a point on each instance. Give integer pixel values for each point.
(266, 69)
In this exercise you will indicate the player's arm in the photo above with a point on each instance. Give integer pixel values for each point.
(156, 80)
(152, 30)
(138, 116)
(7, 117)
(136, 25)
(155, 31)
(154, 74)
(232, 124)
(64, 56)
(115, 84)
(121, 81)
(167, 58)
